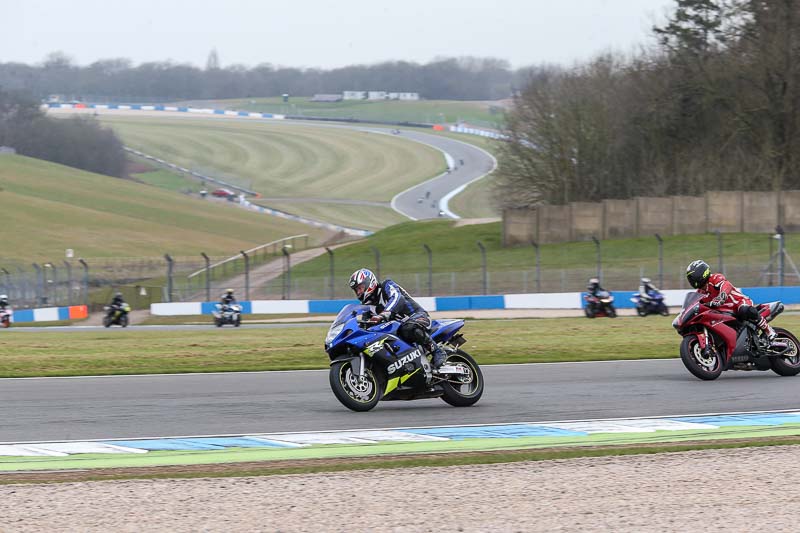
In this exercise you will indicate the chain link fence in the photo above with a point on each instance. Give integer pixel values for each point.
(144, 281)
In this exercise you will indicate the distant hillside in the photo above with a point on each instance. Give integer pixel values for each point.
(47, 208)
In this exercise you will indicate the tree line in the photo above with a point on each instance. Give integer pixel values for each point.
(78, 142)
(464, 78)
(713, 106)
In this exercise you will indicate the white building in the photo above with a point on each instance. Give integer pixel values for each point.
(408, 96)
(354, 95)
(376, 95)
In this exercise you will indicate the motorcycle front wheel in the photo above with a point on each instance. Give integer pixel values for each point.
(107, 322)
(467, 389)
(789, 363)
(704, 367)
(611, 312)
(123, 321)
(355, 393)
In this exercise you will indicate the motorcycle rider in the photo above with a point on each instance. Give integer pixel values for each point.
(718, 292)
(4, 302)
(593, 286)
(227, 298)
(392, 302)
(647, 290)
(116, 303)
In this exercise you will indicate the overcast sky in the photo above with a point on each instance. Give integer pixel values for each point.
(324, 33)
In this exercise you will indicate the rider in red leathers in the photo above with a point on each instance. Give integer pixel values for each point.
(718, 292)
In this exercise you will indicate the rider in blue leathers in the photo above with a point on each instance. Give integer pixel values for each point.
(647, 290)
(392, 302)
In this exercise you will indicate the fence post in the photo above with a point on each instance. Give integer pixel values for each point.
(430, 268)
(538, 267)
(721, 265)
(246, 274)
(85, 281)
(7, 283)
(68, 266)
(599, 259)
(377, 262)
(208, 275)
(54, 293)
(38, 290)
(287, 279)
(781, 259)
(169, 277)
(660, 261)
(332, 285)
(483, 260)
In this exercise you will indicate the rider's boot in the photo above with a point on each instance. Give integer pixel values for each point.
(769, 333)
(439, 355)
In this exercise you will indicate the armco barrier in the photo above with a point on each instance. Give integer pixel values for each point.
(558, 300)
(50, 314)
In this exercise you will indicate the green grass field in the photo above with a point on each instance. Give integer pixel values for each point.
(52, 207)
(286, 161)
(132, 351)
(478, 113)
(280, 161)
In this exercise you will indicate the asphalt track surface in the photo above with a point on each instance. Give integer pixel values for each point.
(36, 409)
(471, 163)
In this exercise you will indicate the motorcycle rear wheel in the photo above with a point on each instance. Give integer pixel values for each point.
(787, 365)
(354, 393)
(641, 311)
(465, 394)
(692, 356)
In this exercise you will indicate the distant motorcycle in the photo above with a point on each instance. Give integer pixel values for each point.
(653, 304)
(227, 314)
(600, 305)
(5, 317)
(116, 314)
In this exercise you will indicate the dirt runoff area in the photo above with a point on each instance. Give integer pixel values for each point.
(743, 489)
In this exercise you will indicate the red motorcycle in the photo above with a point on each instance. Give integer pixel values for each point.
(601, 304)
(715, 340)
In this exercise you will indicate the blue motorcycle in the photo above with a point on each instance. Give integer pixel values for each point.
(653, 304)
(370, 363)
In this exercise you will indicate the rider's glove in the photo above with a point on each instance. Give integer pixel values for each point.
(376, 319)
(716, 302)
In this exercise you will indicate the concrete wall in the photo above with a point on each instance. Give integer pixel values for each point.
(725, 211)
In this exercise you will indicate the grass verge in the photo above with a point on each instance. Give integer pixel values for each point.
(132, 351)
(312, 466)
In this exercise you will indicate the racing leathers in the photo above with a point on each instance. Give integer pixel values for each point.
(647, 291)
(394, 303)
(721, 293)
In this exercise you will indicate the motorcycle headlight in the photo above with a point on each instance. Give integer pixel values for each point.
(333, 333)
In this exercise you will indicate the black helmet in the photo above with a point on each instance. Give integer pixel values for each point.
(697, 273)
